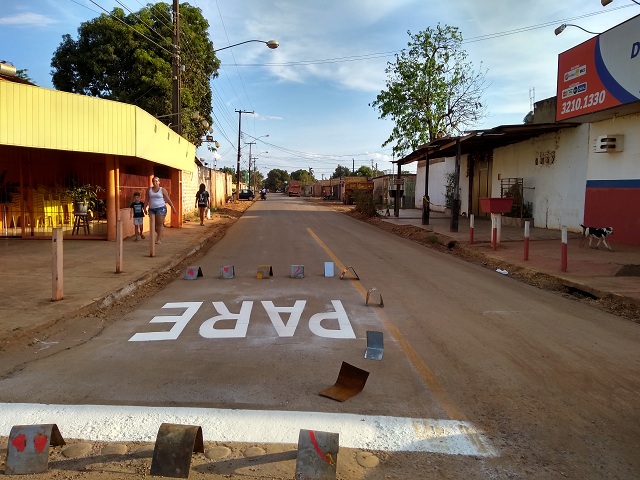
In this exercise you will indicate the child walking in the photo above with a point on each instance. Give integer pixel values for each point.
(137, 213)
(202, 201)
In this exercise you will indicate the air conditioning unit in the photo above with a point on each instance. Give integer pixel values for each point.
(609, 143)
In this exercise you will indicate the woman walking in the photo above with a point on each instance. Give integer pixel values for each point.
(202, 201)
(156, 201)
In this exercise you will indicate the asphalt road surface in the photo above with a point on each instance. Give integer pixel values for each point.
(479, 365)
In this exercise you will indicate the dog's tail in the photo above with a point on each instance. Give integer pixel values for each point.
(583, 228)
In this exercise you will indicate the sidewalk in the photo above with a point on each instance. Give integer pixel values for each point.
(599, 272)
(90, 281)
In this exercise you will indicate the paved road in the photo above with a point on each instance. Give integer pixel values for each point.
(551, 385)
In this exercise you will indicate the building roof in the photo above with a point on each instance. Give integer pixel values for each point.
(35, 117)
(479, 140)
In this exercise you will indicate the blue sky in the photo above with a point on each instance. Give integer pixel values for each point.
(312, 95)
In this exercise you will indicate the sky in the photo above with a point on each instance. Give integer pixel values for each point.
(312, 95)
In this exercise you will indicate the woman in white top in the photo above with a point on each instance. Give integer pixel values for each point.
(156, 202)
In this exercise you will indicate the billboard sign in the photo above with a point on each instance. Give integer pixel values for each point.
(601, 73)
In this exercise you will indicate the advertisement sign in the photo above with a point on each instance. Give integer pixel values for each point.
(601, 73)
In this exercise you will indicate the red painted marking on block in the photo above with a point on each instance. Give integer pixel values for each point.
(226, 269)
(20, 442)
(190, 272)
(40, 442)
(314, 442)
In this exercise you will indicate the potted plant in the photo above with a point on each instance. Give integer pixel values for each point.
(82, 196)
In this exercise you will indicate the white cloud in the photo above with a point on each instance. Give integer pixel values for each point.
(28, 19)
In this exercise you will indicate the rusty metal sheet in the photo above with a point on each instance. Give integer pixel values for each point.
(173, 449)
(375, 346)
(265, 271)
(346, 270)
(28, 448)
(351, 381)
(317, 455)
(369, 292)
(192, 272)
(297, 271)
(227, 272)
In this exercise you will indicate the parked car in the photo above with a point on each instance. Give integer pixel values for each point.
(246, 195)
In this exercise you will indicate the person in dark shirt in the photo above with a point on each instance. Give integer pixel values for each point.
(137, 213)
(202, 201)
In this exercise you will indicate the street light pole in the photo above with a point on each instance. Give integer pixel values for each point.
(240, 112)
(176, 121)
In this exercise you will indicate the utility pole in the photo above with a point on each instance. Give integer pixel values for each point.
(176, 120)
(240, 112)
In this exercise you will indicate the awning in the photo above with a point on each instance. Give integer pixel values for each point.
(482, 140)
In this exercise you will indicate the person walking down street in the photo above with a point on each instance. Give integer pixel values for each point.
(137, 213)
(202, 201)
(157, 200)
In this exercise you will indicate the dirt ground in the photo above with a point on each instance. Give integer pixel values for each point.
(99, 460)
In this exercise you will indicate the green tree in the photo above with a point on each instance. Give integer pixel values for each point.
(22, 73)
(127, 58)
(341, 171)
(431, 90)
(304, 176)
(230, 171)
(277, 179)
(364, 171)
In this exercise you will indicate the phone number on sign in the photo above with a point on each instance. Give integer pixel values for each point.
(583, 102)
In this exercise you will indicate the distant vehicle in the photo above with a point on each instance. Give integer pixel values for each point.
(294, 188)
(246, 195)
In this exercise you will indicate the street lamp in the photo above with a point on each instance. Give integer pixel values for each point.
(561, 28)
(607, 2)
(272, 44)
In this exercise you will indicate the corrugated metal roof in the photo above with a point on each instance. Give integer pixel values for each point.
(480, 140)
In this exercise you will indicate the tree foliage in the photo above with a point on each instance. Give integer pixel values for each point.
(431, 90)
(364, 171)
(127, 58)
(341, 171)
(277, 179)
(304, 176)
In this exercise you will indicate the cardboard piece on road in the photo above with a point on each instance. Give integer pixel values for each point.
(375, 346)
(192, 272)
(227, 272)
(317, 455)
(328, 269)
(346, 270)
(369, 292)
(297, 271)
(351, 381)
(173, 450)
(264, 271)
(28, 448)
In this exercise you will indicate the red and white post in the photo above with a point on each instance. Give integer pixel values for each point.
(527, 225)
(563, 266)
(471, 226)
(494, 231)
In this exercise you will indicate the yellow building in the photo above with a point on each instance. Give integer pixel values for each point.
(52, 140)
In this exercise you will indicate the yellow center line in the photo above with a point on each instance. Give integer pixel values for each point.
(426, 374)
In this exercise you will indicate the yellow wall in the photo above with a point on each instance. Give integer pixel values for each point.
(36, 117)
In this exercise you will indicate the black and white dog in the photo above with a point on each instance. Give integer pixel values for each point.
(594, 232)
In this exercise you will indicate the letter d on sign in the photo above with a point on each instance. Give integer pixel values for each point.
(635, 49)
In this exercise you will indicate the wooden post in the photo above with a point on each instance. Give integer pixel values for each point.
(119, 246)
(57, 265)
(563, 264)
(527, 225)
(152, 235)
(471, 227)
